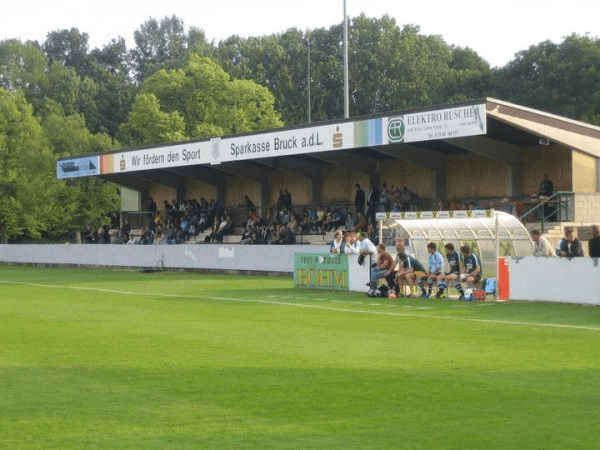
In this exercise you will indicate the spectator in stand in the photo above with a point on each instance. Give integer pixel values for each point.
(435, 269)
(373, 233)
(338, 219)
(359, 200)
(569, 246)
(263, 233)
(362, 223)
(351, 246)
(546, 187)
(384, 198)
(147, 237)
(287, 199)
(541, 246)
(337, 245)
(152, 208)
(294, 226)
(372, 203)
(350, 224)
(594, 243)
(248, 204)
(327, 224)
(225, 227)
(406, 199)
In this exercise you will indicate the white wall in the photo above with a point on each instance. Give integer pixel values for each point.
(555, 279)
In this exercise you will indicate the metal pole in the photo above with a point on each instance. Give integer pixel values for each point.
(346, 89)
(308, 79)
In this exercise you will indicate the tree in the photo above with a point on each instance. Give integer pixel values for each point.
(562, 78)
(27, 181)
(198, 101)
(81, 201)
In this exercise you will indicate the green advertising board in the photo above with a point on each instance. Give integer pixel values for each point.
(321, 271)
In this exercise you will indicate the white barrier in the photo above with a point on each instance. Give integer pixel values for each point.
(575, 280)
(260, 258)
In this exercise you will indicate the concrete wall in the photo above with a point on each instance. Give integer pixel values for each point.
(261, 258)
(587, 208)
(554, 160)
(555, 280)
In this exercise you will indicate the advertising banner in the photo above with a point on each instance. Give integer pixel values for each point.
(157, 158)
(285, 143)
(469, 120)
(445, 123)
(321, 271)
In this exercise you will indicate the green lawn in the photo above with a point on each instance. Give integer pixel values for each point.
(123, 359)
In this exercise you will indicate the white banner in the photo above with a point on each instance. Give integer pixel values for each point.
(448, 123)
(285, 143)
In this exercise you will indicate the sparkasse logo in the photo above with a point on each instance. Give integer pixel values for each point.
(395, 130)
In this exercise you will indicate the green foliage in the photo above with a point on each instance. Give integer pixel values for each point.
(198, 101)
(561, 78)
(27, 181)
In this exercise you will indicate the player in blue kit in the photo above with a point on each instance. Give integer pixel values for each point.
(411, 271)
(471, 272)
(436, 268)
(455, 265)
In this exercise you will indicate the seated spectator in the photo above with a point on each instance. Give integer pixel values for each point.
(569, 246)
(294, 226)
(327, 223)
(541, 246)
(147, 237)
(338, 219)
(263, 233)
(350, 224)
(225, 227)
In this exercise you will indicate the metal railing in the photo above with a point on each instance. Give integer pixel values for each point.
(557, 208)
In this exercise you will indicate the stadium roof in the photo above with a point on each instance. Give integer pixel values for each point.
(492, 128)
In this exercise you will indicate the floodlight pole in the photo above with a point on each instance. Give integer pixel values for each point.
(346, 89)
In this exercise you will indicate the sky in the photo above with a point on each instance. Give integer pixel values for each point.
(496, 30)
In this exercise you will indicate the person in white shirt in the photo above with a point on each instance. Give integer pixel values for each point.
(541, 246)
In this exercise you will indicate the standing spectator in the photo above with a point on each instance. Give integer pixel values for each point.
(541, 246)
(569, 246)
(337, 245)
(248, 204)
(372, 203)
(594, 243)
(359, 200)
(546, 187)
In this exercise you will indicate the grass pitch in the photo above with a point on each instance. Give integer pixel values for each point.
(122, 359)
